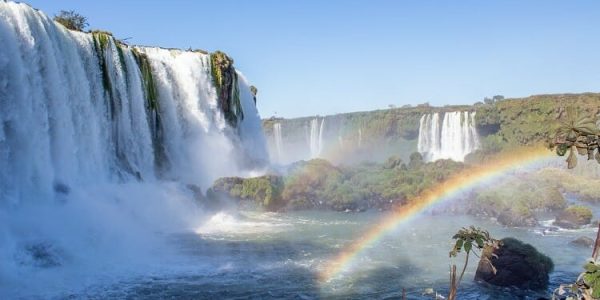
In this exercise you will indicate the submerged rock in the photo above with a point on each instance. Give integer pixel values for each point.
(516, 264)
(583, 241)
(41, 254)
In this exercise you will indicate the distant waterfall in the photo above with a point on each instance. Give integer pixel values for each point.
(359, 137)
(278, 141)
(451, 137)
(316, 137)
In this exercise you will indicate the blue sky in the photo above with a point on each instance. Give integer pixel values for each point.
(325, 57)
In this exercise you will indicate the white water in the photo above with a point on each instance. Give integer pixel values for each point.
(316, 137)
(80, 173)
(277, 136)
(452, 138)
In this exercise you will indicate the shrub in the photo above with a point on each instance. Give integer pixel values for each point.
(71, 20)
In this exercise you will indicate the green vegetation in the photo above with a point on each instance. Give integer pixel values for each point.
(513, 202)
(574, 217)
(530, 120)
(265, 191)
(586, 188)
(149, 86)
(71, 20)
(579, 134)
(470, 240)
(319, 184)
(101, 44)
(225, 82)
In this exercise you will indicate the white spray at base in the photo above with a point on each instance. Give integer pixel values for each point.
(93, 174)
(452, 137)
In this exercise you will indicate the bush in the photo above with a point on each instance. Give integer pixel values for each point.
(71, 20)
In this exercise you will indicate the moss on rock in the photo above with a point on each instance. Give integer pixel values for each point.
(574, 217)
(225, 81)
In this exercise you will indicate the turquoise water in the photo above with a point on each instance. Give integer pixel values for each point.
(270, 255)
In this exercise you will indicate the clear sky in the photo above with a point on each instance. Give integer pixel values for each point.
(324, 57)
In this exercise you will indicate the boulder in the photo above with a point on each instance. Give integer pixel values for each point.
(516, 264)
(513, 218)
(573, 217)
(583, 241)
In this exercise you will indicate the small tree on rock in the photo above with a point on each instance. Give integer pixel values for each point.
(71, 20)
(471, 240)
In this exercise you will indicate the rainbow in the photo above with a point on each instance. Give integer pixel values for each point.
(460, 182)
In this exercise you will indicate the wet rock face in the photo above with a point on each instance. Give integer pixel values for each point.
(225, 81)
(517, 264)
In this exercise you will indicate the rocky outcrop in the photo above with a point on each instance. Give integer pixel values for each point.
(515, 264)
(225, 81)
(574, 217)
(512, 218)
(264, 191)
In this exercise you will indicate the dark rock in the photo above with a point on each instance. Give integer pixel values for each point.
(61, 188)
(41, 254)
(205, 202)
(583, 241)
(517, 264)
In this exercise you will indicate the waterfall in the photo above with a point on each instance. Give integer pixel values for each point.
(80, 111)
(452, 138)
(278, 141)
(316, 137)
(359, 137)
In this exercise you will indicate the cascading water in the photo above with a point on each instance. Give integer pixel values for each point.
(278, 141)
(316, 137)
(98, 141)
(452, 138)
(359, 137)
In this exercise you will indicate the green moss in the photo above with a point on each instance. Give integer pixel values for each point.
(149, 86)
(225, 80)
(580, 213)
(101, 44)
(120, 49)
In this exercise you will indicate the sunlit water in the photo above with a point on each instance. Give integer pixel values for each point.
(271, 255)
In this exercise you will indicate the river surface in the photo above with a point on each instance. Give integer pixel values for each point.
(271, 255)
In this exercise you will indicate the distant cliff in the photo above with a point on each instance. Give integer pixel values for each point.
(376, 135)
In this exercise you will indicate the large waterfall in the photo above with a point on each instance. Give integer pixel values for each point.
(451, 135)
(98, 139)
(316, 137)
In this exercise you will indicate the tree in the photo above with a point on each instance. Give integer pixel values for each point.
(497, 98)
(488, 100)
(415, 160)
(471, 240)
(71, 20)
